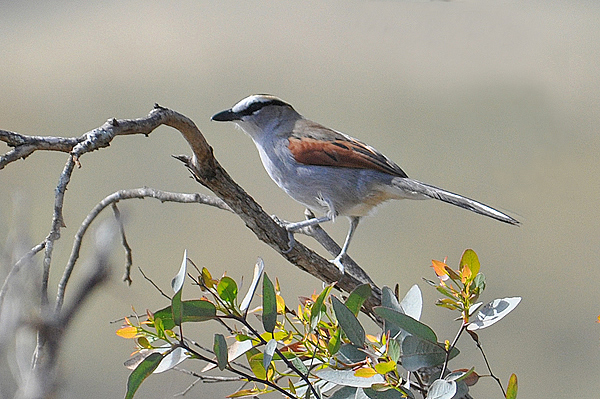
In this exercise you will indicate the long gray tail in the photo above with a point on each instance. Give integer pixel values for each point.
(415, 189)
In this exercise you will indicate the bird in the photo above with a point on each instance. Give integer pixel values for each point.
(329, 172)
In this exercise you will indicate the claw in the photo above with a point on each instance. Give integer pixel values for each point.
(291, 242)
(291, 239)
(280, 222)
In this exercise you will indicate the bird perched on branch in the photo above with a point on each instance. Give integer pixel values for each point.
(327, 171)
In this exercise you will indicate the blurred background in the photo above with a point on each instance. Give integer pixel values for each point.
(496, 100)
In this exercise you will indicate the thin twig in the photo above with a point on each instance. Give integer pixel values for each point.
(153, 284)
(128, 252)
(239, 372)
(204, 379)
(480, 347)
(463, 326)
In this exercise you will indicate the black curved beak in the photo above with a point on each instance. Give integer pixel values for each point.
(225, 116)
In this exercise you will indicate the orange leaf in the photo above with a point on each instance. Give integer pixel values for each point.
(440, 269)
(465, 274)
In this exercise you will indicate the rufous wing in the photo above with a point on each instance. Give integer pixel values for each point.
(340, 150)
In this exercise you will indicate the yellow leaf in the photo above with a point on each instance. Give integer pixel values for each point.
(127, 332)
(512, 388)
(383, 368)
(280, 304)
(143, 342)
(243, 393)
(372, 338)
(207, 278)
(365, 372)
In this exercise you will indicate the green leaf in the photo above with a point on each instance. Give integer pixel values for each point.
(160, 328)
(141, 372)
(406, 323)
(394, 350)
(220, 349)
(418, 353)
(335, 341)
(258, 270)
(269, 316)
(177, 308)
(349, 354)
(193, 311)
(357, 297)
(389, 300)
(470, 259)
(512, 388)
(198, 310)
(349, 323)
(445, 291)
(291, 386)
(179, 279)
(317, 309)
(479, 282)
(297, 362)
(227, 290)
(255, 362)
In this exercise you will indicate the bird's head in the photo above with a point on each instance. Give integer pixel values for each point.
(259, 114)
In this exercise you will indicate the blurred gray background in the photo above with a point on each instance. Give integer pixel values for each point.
(497, 100)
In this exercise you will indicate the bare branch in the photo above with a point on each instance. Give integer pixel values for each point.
(139, 193)
(57, 223)
(26, 145)
(25, 259)
(43, 380)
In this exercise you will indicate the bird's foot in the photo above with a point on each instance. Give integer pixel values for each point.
(285, 225)
(338, 263)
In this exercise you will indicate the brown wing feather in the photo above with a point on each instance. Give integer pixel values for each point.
(314, 144)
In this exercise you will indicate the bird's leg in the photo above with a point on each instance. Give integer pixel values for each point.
(338, 259)
(294, 227)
